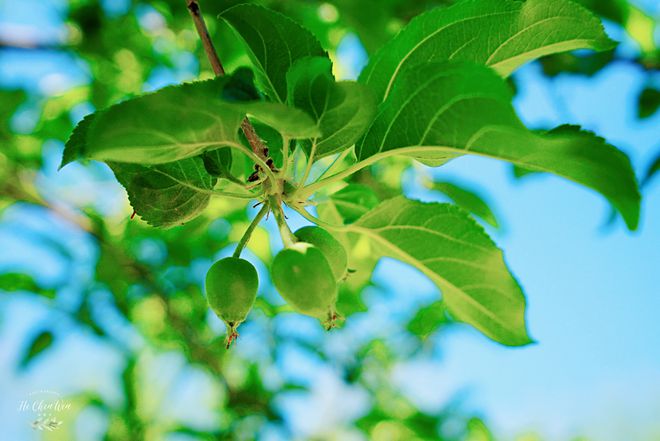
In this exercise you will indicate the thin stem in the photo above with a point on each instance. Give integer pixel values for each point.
(258, 160)
(229, 194)
(248, 233)
(255, 142)
(287, 236)
(340, 157)
(234, 180)
(285, 156)
(320, 222)
(308, 167)
(311, 188)
(193, 7)
(203, 32)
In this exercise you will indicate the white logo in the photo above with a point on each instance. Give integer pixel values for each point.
(47, 406)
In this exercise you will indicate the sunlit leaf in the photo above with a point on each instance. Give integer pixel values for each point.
(274, 42)
(428, 319)
(502, 34)
(452, 250)
(176, 122)
(467, 199)
(440, 111)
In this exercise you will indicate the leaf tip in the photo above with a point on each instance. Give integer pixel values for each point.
(75, 146)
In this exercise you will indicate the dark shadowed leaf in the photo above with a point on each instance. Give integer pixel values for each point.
(274, 42)
(648, 102)
(352, 201)
(166, 195)
(342, 110)
(11, 100)
(39, 343)
(218, 162)
(654, 168)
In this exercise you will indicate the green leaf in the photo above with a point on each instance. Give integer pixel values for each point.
(440, 111)
(502, 34)
(372, 20)
(654, 169)
(169, 194)
(343, 110)
(40, 343)
(11, 100)
(478, 431)
(450, 248)
(519, 172)
(429, 319)
(274, 42)
(576, 63)
(648, 102)
(467, 199)
(361, 259)
(353, 201)
(12, 282)
(218, 162)
(177, 122)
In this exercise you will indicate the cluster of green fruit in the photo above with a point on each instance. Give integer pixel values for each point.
(306, 274)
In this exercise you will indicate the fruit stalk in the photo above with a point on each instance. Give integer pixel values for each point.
(287, 236)
(248, 233)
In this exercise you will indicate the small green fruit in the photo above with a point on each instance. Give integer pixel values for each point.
(333, 250)
(231, 289)
(303, 276)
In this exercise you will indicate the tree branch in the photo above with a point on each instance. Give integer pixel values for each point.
(256, 143)
(203, 32)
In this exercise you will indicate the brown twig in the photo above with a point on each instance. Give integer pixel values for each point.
(203, 32)
(256, 143)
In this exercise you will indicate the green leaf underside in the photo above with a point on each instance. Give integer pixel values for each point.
(166, 195)
(343, 110)
(353, 201)
(502, 34)
(218, 162)
(274, 42)
(521, 172)
(429, 319)
(467, 199)
(440, 111)
(450, 248)
(174, 123)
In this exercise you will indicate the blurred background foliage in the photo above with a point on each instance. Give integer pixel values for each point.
(72, 253)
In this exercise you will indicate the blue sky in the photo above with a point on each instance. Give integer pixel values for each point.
(593, 291)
